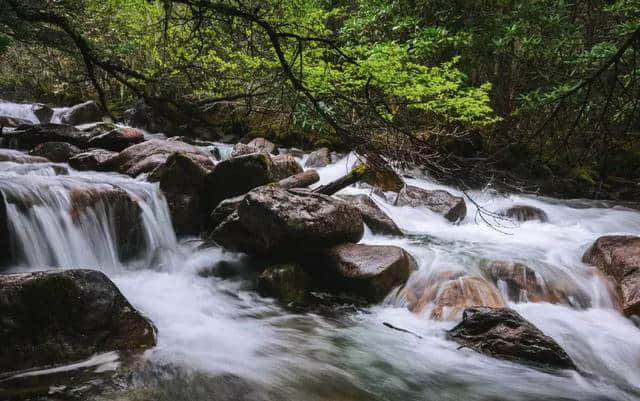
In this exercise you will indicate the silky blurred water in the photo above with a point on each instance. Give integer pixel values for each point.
(219, 340)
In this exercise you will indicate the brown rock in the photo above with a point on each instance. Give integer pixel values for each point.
(285, 166)
(117, 139)
(618, 256)
(377, 220)
(446, 294)
(453, 208)
(369, 271)
(93, 159)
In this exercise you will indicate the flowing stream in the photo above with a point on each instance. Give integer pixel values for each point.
(219, 340)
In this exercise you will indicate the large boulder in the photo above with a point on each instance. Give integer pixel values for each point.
(377, 220)
(225, 209)
(182, 181)
(43, 112)
(520, 283)
(57, 152)
(93, 159)
(451, 207)
(285, 166)
(58, 317)
(524, 213)
(82, 113)
(368, 271)
(285, 282)
(318, 158)
(271, 220)
(117, 139)
(28, 137)
(123, 212)
(618, 256)
(503, 333)
(149, 155)
(238, 175)
(445, 295)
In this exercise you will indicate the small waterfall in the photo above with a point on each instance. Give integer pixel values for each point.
(24, 111)
(80, 219)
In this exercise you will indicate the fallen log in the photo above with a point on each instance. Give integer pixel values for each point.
(299, 180)
(355, 175)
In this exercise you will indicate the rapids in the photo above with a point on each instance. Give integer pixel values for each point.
(217, 339)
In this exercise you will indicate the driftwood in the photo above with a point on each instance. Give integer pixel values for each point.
(300, 180)
(355, 175)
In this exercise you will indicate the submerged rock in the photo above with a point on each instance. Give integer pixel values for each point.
(618, 256)
(525, 213)
(287, 283)
(318, 158)
(503, 333)
(446, 294)
(93, 159)
(82, 113)
(377, 220)
(149, 155)
(520, 283)
(117, 139)
(368, 271)
(57, 317)
(124, 213)
(271, 219)
(57, 152)
(453, 208)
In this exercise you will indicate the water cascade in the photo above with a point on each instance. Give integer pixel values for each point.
(216, 335)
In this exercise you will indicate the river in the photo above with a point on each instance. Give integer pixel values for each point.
(219, 340)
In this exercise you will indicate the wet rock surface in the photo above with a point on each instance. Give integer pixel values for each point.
(289, 221)
(149, 155)
(369, 271)
(82, 113)
(503, 333)
(618, 257)
(117, 139)
(318, 158)
(285, 282)
(525, 213)
(453, 208)
(30, 136)
(57, 152)
(377, 220)
(445, 295)
(182, 180)
(238, 175)
(523, 284)
(56, 317)
(93, 159)
(122, 211)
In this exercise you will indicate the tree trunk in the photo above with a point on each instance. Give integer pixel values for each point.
(354, 176)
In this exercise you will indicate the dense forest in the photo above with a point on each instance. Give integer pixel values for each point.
(474, 92)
